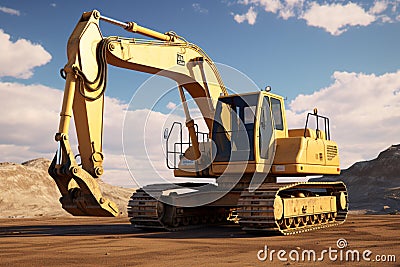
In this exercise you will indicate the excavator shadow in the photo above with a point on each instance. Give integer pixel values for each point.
(120, 230)
(66, 230)
(214, 231)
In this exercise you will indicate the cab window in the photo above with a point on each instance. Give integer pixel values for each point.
(277, 113)
(235, 141)
(265, 129)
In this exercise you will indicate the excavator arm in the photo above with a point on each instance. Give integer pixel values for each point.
(89, 53)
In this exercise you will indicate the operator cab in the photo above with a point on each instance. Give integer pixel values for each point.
(244, 131)
(250, 136)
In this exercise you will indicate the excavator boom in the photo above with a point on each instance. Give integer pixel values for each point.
(86, 77)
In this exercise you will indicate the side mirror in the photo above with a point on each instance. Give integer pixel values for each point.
(166, 131)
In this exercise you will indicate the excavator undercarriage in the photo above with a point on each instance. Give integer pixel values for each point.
(274, 208)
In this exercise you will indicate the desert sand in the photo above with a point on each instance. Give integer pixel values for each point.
(71, 241)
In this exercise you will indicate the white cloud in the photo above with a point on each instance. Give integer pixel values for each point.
(290, 8)
(250, 16)
(19, 58)
(171, 105)
(198, 8)
(335, 18)
(10, 11)
(364, 110)
(386, 19)
(285, 9)
(53, 4)
(378, 7)
(30, 114)
(270, 5)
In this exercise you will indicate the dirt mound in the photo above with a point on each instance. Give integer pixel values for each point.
(374, 185)
(27, 190)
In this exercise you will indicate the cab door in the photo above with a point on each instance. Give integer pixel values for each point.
(265, 131)
(271, 125)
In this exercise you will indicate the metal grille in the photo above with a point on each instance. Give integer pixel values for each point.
(331, 152)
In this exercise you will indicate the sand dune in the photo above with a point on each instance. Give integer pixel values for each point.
(27, 190)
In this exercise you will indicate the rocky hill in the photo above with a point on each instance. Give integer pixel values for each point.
(374, 185)
(27, 190)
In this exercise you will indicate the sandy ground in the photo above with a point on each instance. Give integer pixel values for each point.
(66, 241)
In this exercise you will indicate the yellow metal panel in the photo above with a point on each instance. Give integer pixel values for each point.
(294, 207)
(303, 169)
(315, 151)
(233, 167)
(182, 62)
(290, 150)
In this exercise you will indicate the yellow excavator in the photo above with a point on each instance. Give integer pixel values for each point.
(246, 147)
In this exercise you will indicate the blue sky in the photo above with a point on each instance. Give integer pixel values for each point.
(339, 55)
(288, 54)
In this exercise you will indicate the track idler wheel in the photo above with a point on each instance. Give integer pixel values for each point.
(160, 210)
(288, 222)
(176, 222)
(296, 222)
(195, 220)
(185, 221)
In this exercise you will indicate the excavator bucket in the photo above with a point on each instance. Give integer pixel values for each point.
(81, 195)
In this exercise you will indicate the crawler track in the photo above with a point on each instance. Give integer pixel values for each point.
(142, 209)
(257, 210)
(147, 212)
